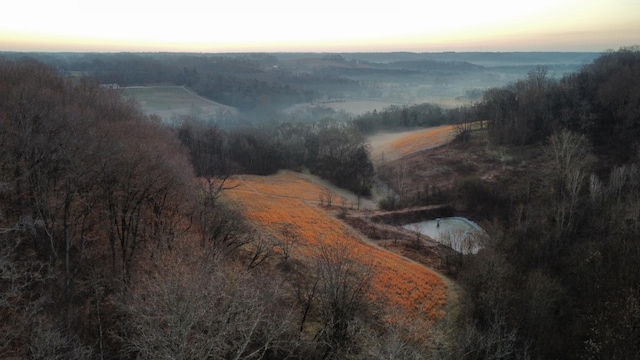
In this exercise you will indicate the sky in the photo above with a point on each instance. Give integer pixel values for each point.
(320, 26)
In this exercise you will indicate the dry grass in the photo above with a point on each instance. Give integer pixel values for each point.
(391, 146)
(283, 184)
(280, 201)
(423, 139)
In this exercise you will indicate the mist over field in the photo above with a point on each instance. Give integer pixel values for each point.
(257, 87)
(474, 205)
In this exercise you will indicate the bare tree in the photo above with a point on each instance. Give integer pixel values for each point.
(343, 294)
(203, 309)
(19, 310)
(401, 178)
(392, 345)
(258, 249)
(220, 226)
(492, 335)
(417, 230)
(225, 231)
(463, 126)
(326, 195)
(567, 209)
(287, 242)
(568, 151)
(130, 175)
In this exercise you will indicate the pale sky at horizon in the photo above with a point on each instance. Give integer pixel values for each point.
(323, 26)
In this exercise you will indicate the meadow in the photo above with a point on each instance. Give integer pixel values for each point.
(389, 146)
(289, 201)
(170, 101)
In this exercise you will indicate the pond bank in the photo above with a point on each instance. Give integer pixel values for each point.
(459, 233)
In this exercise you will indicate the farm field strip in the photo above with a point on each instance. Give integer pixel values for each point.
(423, 139)
(391, 146)
(283, 184)
(167, 97)
(282, 202)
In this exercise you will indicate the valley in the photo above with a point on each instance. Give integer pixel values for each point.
(169, 103)
(310, 206)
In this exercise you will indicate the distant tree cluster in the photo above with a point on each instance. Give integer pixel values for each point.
(332, 150)
(396, 117)
(125, 69)
(247, 93)
(601, 101)
(341, 155)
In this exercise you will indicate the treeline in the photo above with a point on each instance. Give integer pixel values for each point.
(434, 66)
(602, 101)
(397, 117)
(110, 247)
(244, 81)
(247, 93)
(560, 279)
(332, 150)
(235, 81)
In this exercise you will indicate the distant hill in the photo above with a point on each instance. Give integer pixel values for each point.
(481, 58)
(266, 83)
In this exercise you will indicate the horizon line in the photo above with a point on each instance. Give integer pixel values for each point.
(305, 51)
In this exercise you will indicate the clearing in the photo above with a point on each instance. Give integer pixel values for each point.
(389, 146)
(168, 102)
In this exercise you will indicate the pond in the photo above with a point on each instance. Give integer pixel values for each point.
(460, 234)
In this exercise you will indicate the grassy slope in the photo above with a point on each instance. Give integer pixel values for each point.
(289, 200)
(166, 101)
(390, 146)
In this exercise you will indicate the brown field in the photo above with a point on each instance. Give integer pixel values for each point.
(386, 147)
(288, 200)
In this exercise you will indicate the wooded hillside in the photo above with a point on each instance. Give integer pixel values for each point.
(110, 247)
(560, 279)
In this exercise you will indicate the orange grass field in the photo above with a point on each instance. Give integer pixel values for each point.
(287, 200)
(283, 184)
(423, 139)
